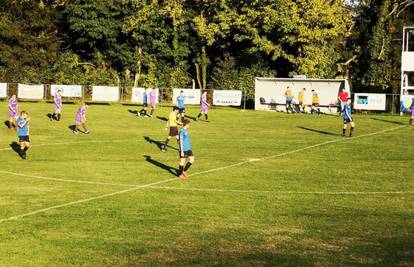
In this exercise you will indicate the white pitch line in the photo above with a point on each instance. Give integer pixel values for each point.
(64, 180)
(171, 188)
(77, 142)
(83, 201)
(296, 150)
(174, 179)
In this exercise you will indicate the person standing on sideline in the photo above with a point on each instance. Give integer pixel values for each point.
(181, 105)
(153, 101)
(57, 103)
(315, 103)
(412, 113)
(348, 118)
(80, 120)
(301, 100)
(23, 134)
(13, 112)
(204, 107)
(343, 98)
(186, 155)
(172, 127)
(289, 100)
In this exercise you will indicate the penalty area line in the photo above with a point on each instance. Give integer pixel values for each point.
(16, 217)
(337, 140)
(63, 180)
(175, 179)
(171, 188)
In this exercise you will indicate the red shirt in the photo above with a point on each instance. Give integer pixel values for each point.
(343, 96)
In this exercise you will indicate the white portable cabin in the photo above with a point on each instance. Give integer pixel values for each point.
(407, 61)
(270, 92)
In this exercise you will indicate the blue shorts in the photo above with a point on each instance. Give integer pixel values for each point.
(289, 100)
(347, 120)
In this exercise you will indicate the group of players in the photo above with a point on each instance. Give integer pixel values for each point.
(20, 123)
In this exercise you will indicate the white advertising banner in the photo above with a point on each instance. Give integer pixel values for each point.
(139, 92)
(3, 90)
(27, 91)
(192, 96)
(370, 101)
(67, 90)
(227, 97)
(105, 93)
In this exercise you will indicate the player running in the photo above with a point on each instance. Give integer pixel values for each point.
(289, 100)
(143, 111)
(204, 107)
(57, 103)
(342, 97)
(13, 112)
(172, 126)
(412, 113)
(80, 120)
(181, 105)
(348, 118)
(186, 155)
(23, 134)
(153, 101)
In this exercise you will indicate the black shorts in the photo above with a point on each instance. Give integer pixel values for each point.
(173, 131)
(187, 154)
(181, 110)
(24, 138)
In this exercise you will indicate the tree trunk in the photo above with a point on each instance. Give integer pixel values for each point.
(198, 75)
(138, 55)
(204, 62)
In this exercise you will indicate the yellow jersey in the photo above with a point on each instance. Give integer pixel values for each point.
(301, 97)
(172, 119)
(289, 94)
(315, 99)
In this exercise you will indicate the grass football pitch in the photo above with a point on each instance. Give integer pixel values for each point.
(267, 189)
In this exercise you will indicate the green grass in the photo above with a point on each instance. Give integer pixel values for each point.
(268, 212)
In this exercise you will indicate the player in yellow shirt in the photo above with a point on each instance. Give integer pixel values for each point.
(172, 126)
(301, 100)
(289, 100)
(315, 103)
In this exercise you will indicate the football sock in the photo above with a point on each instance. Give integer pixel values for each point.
(187, 166)
(181, 169)
(25, 149)
(199, 115)
(58, 116)
(411, 121)
(205, 115)
(152, 112)
(351, 131)
(343, 131)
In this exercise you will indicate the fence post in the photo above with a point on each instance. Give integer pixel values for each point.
(244, 100)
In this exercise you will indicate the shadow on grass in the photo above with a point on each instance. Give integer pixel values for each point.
(159, 144)
(133, 111)
(15, 147)
(162, 118)
(393, 122)
(190, 117)
(7, 123)
(50, 116)
(160, 165)
(317, 131)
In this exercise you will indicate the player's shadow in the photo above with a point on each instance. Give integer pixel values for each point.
(159, 144)
(158, 164)
(135, 112)
(162, 118)
(316, 131)
(72, 127)
(190, 117)
(15, 147)
(7, 123)
(393, 122)
(50, 116)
